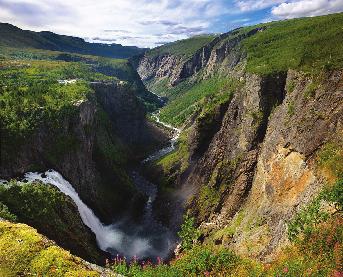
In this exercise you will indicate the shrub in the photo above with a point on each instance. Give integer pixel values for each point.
(188, 233)
(6, 214)
(331, 157)
(290, 108)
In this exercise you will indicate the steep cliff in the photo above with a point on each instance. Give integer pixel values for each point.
(253, 159)
(90, 147)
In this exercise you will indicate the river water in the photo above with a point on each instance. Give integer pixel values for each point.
(147, 239)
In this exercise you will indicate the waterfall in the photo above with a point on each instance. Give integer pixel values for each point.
(123, 237)
(149, 239)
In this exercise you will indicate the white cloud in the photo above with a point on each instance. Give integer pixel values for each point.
(147, 23)
(253, 5)
(137, 22)
(307, 8)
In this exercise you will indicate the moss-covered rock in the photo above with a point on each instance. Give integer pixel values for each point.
(24, 252)
(53, 214)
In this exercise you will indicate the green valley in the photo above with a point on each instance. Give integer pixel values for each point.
(214, 155)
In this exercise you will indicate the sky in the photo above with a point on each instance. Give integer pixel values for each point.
(150, 23)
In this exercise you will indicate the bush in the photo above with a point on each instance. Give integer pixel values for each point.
(6, 214)
(188, 233)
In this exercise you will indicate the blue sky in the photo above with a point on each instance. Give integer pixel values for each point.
(149, 23)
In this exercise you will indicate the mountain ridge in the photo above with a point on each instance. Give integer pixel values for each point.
(12, 36)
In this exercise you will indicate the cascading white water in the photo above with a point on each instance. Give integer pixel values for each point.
(110, 237)
(148, 239)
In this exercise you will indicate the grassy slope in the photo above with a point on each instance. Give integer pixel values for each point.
(184, 48)
(25, 252)
(314, 43)
(202, 96)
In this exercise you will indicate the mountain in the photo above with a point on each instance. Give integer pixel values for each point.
(250, 185)
(12, 36)
(260, 110)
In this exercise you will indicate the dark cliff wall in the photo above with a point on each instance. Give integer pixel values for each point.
(253, 161)
(93, 148)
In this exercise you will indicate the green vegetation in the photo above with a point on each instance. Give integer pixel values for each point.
(183, 48)
(257, 117)
(308, 44)
(24, 252)
(196, 262)
(51, 212)
(30, 94)
(178, 159)
(188, 233)
(203, 96)
(6, 214)
(290, 108)
(290, 86)
(310, 90)
(330, 157)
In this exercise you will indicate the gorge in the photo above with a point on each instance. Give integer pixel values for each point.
(226, 148)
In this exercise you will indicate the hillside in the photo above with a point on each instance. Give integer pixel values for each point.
(309, 44)
(12, 36)
(260, 109)
(235, 169)
(23, 251)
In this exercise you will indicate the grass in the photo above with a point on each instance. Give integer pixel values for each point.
(183, 48)
(204, 96)
(31, 95)
(307, 44)
(25, 252)
(174, 163)
(330, 157)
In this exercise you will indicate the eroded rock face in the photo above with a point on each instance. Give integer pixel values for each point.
(253, 160)
(265, 165)
(166, 66)
(81, 149)
(175, 69)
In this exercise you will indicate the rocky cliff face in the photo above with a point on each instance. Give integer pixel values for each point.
(176, 68)
(92, 147)
(261, 166)
(254, 162)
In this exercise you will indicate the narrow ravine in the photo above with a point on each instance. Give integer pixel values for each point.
(148, 239)
(172, 143)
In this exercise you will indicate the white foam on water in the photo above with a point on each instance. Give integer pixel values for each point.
(172, 144)
(109, 237)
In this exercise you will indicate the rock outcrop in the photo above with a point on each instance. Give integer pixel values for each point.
(254, 161)
(92, 149)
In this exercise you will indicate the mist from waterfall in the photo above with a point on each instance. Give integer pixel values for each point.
(147, 240)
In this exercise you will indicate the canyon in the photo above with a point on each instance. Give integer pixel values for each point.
(232, 141)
